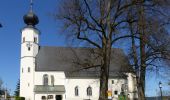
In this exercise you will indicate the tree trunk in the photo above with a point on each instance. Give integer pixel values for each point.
(106, 52)
(142, 26)
(105, 70)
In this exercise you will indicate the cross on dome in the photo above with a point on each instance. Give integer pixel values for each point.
(31, 5)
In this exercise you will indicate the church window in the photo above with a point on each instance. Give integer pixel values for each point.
(35, 39)
(76, 91)
(28, 84)
(45, 79)
(52, 80)
(50, 97)
(112, 81)
(23, 39)
(116, 92)
(29, 48)
(123, 87)
(89, 91)
(43, 97)
(28, 69)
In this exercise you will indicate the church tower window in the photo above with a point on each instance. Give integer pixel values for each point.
(35, 39)
(22, 70)
(23, 39)
(28, 69)
(45, 79)
(29, 48)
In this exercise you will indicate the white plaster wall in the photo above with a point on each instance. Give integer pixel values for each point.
(82, 84)
(132, 86)
(116, 87)
(59, 78)
(94, 83)
(29, 34)
(26, 78)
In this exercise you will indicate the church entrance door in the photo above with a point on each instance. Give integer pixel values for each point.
(58, 97)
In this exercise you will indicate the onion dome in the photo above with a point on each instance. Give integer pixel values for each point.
(31, 19)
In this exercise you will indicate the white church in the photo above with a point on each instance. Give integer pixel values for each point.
(50, 73)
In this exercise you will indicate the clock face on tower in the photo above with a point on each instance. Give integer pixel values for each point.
(29, 45)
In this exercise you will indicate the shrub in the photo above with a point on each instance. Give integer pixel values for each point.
(19, 98)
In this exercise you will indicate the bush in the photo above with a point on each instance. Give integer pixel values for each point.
(19, 98)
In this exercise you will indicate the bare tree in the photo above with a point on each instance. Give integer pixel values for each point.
(101, 23)
(153, 44)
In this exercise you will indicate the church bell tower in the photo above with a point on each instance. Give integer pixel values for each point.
(29, 50)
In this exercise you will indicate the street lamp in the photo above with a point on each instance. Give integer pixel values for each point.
(160, 86)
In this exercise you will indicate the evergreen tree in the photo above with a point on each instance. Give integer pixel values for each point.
(17, 90)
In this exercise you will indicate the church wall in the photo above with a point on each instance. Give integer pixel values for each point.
(83, 84)
(59, 78)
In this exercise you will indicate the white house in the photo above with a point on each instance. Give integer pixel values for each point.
(50, 73)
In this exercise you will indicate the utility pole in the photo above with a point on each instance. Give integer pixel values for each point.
(160, 86)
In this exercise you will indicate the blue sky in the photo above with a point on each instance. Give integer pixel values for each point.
(11, 17)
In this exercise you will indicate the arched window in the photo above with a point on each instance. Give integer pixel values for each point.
(52, 80)
(76, 91)
(28, 69)
(50, 97)
(23, 39)
(45, 79)
(116, 92)
(89, 91)
(43, 98)
(29, 48)
(35, 39)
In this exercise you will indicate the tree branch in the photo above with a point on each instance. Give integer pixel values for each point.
(123, 37)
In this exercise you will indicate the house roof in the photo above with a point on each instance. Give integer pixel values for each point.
(74, 61)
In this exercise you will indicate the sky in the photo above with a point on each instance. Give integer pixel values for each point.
(11, 17)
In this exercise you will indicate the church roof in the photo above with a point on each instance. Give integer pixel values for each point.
(75, 61)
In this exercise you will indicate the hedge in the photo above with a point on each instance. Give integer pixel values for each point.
(19, 98)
